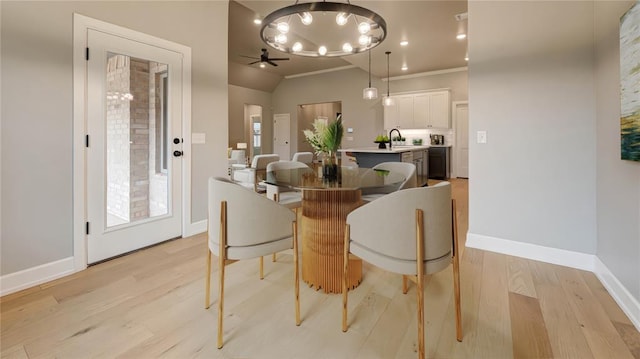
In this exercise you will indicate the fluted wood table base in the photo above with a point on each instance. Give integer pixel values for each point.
(324, 214)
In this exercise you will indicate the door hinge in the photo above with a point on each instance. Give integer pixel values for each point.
(86, 141)
(86, 55)
(87, 227)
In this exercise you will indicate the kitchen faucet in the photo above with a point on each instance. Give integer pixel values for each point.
(391, 138)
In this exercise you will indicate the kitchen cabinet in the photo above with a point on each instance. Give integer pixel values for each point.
(439, 162)
(418, 110)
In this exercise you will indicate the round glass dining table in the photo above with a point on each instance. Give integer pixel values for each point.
(325, 206)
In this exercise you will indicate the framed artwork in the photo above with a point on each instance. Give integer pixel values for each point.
(630, 84)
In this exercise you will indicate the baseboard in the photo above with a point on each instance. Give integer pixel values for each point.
(195, 228)
(30, 277)
(589, 262)
(532, 251)
(629, 305)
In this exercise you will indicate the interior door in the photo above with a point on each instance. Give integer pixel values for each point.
(134, 145)
(462, 140)
(282, 135)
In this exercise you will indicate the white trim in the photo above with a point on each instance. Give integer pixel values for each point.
(629, 305)
(454, 127)
(589, 262)
(196, 228)
(532, 251)
(428, 73)
(81, 24)
(30, 277)
(320, 71)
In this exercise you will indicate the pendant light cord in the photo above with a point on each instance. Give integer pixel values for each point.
(369, 68)
(388, 53)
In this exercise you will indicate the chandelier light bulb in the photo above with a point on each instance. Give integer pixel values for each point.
(296, 47)
(364, 27)
(342, 18)
(322, 50)
(306, 18)
(346, 47)
(281, 38)
(364, 40)
(283, 27)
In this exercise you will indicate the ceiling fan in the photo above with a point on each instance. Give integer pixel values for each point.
(264, 58)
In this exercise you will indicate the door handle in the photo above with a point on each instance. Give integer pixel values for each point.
(177, 153)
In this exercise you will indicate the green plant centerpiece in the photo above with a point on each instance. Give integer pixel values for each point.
(325, 139)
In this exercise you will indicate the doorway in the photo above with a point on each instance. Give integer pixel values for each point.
(461, 123)
(132, 175)
(308, 113)
(253, 129)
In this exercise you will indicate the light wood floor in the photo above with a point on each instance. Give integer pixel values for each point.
(150, 304)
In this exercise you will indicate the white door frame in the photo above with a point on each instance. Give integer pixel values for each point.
(81, 24)
(288, 117)
(454, 154)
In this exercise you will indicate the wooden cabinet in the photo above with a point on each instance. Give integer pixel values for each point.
(418, 110)
(439, 162)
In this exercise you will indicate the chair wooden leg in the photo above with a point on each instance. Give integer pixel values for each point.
(296, 271)
(221, 259)
(456, 272)
(261, 268)
(405, 285)
(420, 280)
(207, 286)
(345, 276)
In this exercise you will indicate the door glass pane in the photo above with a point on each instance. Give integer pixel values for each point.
(136, 139)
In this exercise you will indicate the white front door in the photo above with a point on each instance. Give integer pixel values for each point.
(282, 135)
(462, 140)
(134, 163)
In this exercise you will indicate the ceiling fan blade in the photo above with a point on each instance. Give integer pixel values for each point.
(255, 62)
(278, 58)
(250, 57)
(271, 62)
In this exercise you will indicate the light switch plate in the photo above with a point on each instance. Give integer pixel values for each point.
(481, 137)
(349, 129)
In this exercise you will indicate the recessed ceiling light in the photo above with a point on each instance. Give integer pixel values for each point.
(461, 36)
(404, 68)
(257, 21)
(404, 43)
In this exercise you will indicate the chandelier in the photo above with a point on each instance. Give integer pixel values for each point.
(323, 29)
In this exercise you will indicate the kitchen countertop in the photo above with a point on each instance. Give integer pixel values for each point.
(394, 149)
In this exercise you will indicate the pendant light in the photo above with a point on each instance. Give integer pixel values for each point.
(370, 93)
(388, 101)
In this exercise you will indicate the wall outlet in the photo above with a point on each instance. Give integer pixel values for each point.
(481, 137)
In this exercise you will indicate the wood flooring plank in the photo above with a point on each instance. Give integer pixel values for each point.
(494, 322)
(630, 336)
(520, 279)
(528, 330)
(602, 337)
(604, 298)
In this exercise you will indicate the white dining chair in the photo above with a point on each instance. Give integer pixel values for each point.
(273, 228)
(287, 197)
(252, 176)
(406, 169)
(419, 239)
(304, 157)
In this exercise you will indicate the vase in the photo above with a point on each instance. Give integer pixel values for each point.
(329, 166)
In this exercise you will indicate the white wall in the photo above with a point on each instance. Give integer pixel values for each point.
(618, 182)
(531, 87)
(37, 99)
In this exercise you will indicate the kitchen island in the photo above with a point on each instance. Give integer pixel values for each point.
(370, 156)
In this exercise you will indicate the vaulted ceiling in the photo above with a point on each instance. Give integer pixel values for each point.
(429, 26)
